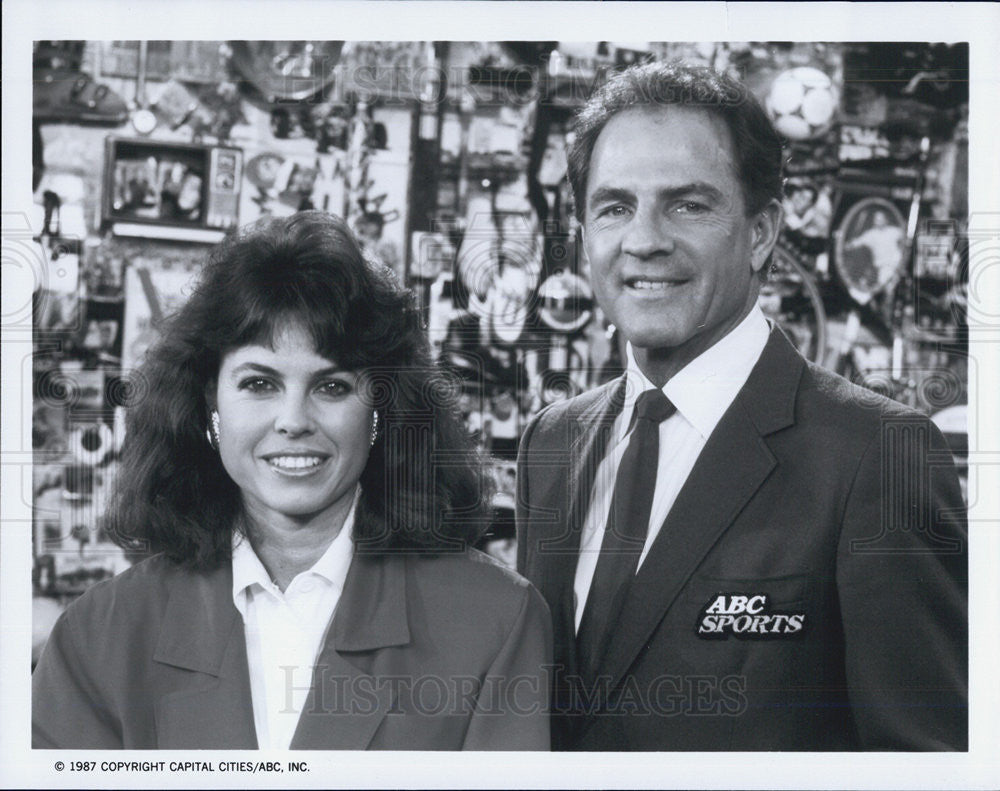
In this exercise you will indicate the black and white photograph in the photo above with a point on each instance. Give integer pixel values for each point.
(488, 388)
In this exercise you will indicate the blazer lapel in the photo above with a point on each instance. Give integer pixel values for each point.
(731, 468)
(202, 632)
(346, 705)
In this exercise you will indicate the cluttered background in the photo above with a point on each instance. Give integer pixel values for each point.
(448, 159)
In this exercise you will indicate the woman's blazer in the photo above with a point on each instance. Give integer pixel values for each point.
(425, 652)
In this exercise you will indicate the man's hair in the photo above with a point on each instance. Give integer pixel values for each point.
(422, 487)
(757, 144)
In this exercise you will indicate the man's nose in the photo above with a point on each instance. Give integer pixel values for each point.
(647, 234)
(294, 416)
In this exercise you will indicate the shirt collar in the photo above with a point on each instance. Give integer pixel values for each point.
(704, 389)
(332, 565)
(247, 572)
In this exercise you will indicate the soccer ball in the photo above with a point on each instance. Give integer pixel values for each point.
(802, 103)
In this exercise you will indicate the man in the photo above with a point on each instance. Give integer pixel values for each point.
(741, 550)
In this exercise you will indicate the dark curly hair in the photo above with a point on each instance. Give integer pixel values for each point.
(758, 146)
(422, 488)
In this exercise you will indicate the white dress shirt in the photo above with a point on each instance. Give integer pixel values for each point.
(702, 391)
(284, 631)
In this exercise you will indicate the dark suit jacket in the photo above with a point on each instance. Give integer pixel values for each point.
(424, 653)
(833, 503)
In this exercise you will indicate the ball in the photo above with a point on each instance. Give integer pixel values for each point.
(802, 103)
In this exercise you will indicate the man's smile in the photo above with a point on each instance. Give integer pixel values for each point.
(649, 286)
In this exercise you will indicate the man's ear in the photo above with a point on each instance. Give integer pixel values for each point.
(766, 227)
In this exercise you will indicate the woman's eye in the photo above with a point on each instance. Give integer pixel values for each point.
(256, 384)
(335, 387)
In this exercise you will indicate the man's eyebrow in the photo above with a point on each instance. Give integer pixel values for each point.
(612, 194)
(693, 188)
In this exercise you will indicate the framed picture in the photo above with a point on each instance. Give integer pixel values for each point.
(870, 246)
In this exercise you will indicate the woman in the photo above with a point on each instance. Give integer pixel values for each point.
(297, 465)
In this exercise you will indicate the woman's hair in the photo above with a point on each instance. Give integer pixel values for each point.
(422, 487)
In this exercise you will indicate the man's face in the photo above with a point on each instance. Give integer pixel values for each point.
(673, 255)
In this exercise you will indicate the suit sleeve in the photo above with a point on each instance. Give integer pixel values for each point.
(512, 709)
(68, 709)
(902, 578)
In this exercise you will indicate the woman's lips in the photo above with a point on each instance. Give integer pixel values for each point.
(295, 464)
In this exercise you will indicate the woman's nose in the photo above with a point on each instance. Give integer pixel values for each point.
(293, 416)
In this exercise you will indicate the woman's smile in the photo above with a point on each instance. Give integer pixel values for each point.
(296, 465)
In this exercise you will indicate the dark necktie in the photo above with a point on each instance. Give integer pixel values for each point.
(625, 533)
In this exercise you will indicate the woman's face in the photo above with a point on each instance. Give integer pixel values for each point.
(293, 432)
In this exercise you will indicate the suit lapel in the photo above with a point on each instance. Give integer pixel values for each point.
(730, 469)
(346, 705)
(202, 632)
(588, 442)
(588, 433)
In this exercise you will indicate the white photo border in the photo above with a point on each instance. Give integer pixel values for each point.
(977, 23)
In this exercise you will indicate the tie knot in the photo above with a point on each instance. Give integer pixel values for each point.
(652, 405)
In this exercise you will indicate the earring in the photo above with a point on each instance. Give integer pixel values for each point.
(374, 426)
(212, 432)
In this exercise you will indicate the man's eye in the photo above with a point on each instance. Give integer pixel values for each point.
(618, 210)
(256, 384)
(691, 207)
